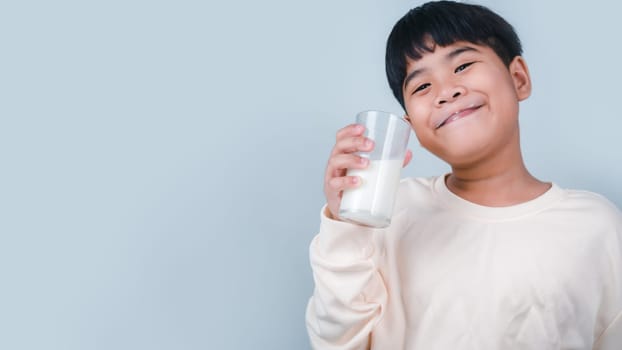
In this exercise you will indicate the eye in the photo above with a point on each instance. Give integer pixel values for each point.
(421, 87)
(463, 67)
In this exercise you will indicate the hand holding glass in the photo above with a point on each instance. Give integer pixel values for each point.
(371, 203)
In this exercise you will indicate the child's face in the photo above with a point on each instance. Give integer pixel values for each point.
(462, 101)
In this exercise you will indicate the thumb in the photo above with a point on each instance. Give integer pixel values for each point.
(409, 156)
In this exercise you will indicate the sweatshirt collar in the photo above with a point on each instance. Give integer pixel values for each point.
(467, 208)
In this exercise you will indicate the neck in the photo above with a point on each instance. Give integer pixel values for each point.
(496, 181)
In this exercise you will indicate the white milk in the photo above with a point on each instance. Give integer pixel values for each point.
(372, 202)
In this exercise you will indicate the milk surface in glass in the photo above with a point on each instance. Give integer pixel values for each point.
(371, 203)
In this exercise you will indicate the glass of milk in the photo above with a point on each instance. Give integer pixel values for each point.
(371, 203)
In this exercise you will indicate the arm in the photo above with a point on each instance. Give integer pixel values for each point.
(611, 339)
(349, 295)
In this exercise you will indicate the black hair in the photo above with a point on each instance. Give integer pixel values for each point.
(444, 23)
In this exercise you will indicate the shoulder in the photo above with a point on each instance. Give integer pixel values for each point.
(423, 187)
(591, 204)
(593, 214)
(416, 192)
(418, 184)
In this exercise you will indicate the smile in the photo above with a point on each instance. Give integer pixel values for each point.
(457, 115)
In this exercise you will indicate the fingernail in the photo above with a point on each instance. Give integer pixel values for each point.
(368, 143)
(355, 180)
(363, 161)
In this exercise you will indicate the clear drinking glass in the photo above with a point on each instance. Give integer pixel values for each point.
(371, 203)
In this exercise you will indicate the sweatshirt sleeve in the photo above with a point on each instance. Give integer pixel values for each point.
(349, 295)
(611, 337)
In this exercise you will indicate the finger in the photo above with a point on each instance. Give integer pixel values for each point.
(346, 161)
(353, 144)
(338, 184)
(407, 159)
(350, 130)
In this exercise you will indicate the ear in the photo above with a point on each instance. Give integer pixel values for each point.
(520, 77)
(407, 118)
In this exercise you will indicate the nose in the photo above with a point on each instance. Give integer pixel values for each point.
(449, 94)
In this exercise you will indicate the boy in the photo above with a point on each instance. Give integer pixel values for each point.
(485, 257)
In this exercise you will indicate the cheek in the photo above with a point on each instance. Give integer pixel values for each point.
(506, 103)
(419, 120)
(421, 131)
(503, 88)
(416, 111)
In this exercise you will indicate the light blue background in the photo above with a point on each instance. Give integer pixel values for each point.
(162, 161)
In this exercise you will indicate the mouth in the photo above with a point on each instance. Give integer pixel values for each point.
(457, 115)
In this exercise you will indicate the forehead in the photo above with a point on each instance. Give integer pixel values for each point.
(434, 51)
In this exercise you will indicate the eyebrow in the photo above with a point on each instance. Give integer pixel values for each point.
(451, 55)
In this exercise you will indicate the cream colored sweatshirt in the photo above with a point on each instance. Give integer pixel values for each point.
(452, 275)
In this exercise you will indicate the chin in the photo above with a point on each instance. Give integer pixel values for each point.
(462, 156)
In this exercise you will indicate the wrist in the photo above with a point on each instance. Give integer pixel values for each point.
(329, 214)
